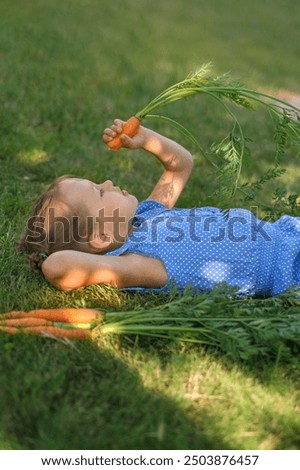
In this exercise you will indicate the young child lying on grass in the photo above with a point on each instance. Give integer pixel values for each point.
(83, 233)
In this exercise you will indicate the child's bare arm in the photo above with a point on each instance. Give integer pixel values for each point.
(70, 270)
(177, 161)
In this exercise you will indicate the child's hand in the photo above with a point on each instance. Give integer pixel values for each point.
(135, 142)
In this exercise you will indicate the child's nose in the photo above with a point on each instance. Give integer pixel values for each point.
(108, 184)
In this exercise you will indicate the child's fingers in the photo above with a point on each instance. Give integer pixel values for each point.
(108, 134)
(106, 138)
(127, 141)
(111, 132)
(117, 127)
(118, 123)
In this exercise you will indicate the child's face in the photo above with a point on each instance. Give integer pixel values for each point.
(111, 208)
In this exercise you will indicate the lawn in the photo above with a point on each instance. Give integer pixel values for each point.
(67, 69)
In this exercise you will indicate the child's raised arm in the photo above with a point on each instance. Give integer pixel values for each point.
(69, 269)
(176, 160)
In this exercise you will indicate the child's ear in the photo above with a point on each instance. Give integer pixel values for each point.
(99, 242)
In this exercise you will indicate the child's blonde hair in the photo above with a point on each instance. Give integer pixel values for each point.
(52, 225)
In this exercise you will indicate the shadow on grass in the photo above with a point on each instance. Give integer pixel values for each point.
(77, 396)
(241, 404)
(57, 396)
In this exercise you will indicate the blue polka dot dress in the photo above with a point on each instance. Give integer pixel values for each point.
(205, 247)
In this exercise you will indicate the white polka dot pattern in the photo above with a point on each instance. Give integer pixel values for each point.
(204, 247)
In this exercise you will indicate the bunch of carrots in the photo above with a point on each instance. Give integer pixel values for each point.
(69, 323)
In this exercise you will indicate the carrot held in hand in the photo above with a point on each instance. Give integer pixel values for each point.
(130, 128)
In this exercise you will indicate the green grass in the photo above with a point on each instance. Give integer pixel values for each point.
(66, 70)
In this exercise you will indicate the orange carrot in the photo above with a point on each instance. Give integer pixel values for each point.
(52, 330)
(25, 322)
(67, 315)
(10, 329)
(63, 315)
(129, 128)
(59, 332)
